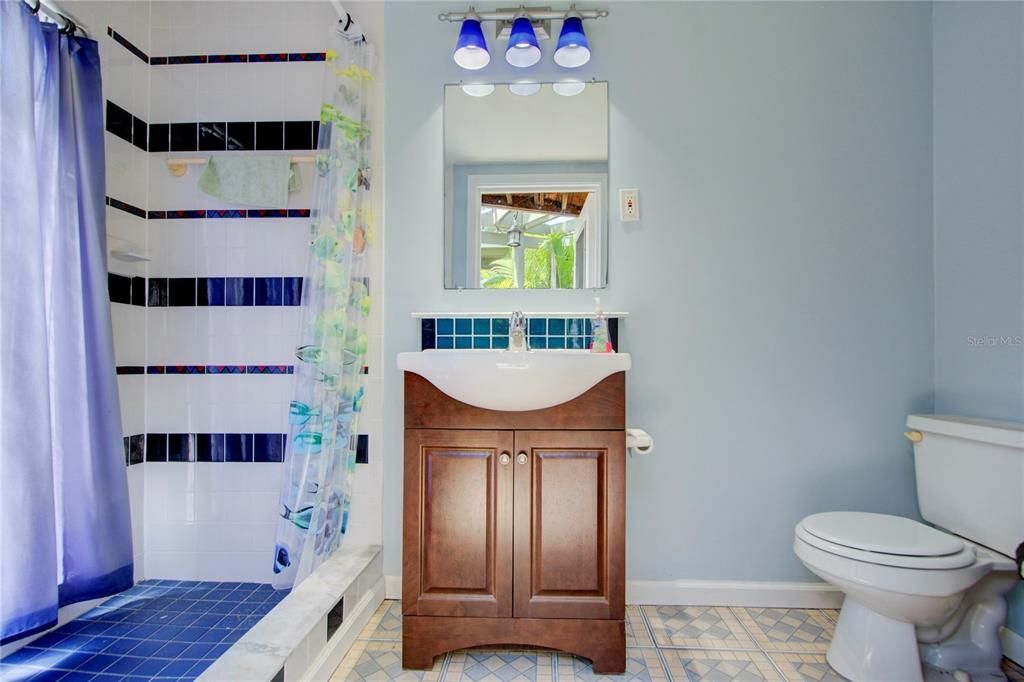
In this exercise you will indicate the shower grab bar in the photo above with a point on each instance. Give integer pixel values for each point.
(179, 167)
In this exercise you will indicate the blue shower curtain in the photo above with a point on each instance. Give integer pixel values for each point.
(65, 530)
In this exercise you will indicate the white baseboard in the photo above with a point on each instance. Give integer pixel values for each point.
(1013, 645)
(710, 593)
(339, 644)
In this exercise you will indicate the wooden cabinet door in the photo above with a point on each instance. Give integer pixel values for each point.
(569, 524)
(457, 535)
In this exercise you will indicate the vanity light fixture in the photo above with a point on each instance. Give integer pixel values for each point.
(471, 48)
(523, 50)
(569, 88)
(524, 88)
(573, 50)
(477, 89)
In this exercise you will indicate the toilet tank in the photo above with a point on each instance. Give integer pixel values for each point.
(970, 478)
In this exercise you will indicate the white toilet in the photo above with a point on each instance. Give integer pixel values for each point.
(916, 593)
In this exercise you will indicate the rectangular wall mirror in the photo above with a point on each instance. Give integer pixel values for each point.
(526, 186)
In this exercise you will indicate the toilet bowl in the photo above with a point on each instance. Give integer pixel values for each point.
(916, 593)
(907, 585)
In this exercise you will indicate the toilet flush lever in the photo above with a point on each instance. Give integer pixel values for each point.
(913, 436)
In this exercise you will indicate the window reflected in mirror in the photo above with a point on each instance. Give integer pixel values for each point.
(526, 188)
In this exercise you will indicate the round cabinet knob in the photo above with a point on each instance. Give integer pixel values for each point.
(521, 458)
(504, 458)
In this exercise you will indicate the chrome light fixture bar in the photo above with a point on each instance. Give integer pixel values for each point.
(545, 15)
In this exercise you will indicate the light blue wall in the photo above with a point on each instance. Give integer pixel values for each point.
(779, 284)
(979, 213)
(459, 190)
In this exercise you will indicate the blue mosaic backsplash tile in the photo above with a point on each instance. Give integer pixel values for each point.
(158, 628)
(543, 333)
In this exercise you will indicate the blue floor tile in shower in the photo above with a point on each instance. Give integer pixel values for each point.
(162, 629)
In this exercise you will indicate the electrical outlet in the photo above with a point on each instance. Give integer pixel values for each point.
(629, 205)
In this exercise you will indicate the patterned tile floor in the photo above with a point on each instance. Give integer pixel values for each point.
(663, 643)
(159, 629)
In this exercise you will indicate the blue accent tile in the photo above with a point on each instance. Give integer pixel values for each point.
(446, 325)
(268, 447)
(537, 326)
(499, 325)
(556, 342)
(446, 342)
(156, 447)
(574, 327)
(209, 447)
(269, 291)
(463, 342)
(481, 326)
(180, 448)
(574, 342)
(538, 342)
(588, 327)
(238, 447)
(209, 291)
(292, 288)
(238, 290)
(150, 667)
(556, 327)
(481, 342)
(500, 342)
(428, 337)
(463, 325)
(98, 663)
(171, 649)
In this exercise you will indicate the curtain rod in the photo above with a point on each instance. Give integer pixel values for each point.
(58, 15)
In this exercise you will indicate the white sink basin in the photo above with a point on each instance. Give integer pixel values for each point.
(514, 381)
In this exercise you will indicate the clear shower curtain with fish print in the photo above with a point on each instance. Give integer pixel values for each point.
(320, 455)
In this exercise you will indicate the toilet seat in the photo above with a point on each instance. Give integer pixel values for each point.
(885, 540)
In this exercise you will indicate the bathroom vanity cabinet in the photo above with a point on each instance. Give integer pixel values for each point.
(514, 525)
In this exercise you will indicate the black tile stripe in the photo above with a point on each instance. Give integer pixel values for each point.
(158, 292)
(215, 447)
(123, 124)
(127, 44)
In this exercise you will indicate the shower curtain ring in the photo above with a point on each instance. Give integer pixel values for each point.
(70, 28)
(35, 10)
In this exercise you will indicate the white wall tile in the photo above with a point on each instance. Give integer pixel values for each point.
(132, 395)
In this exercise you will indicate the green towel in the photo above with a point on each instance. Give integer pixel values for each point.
(263, 181)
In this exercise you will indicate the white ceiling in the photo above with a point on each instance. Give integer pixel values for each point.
(541, 128)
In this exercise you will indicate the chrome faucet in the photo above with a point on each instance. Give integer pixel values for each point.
(517, 332)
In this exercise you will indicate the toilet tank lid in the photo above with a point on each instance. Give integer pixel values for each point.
(1010, 434)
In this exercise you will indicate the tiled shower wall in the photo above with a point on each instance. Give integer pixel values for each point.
(206, 333)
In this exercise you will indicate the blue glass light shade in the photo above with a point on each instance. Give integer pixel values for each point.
(471, 48)
(523, 49)
(572, 50)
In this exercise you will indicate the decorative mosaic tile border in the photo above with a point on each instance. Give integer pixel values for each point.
(227, 213)
(128, 45)
(205, 369)
(126, 207)
(543, 333)
(216, 447)
(252, 58)
(255, 58)
(159, 292)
